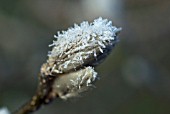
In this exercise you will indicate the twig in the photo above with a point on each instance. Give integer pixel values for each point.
(41, 97)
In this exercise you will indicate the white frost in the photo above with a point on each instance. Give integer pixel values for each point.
(84, 36)
(79, 42)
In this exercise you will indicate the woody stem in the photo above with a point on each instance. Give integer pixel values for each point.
(41, 97)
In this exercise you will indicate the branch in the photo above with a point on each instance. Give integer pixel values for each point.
(41, 97)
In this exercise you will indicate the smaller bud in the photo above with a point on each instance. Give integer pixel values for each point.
(72, 84)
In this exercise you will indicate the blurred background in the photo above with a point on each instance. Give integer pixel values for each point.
(134, 79)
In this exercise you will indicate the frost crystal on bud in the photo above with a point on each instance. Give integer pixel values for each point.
(71, 84)
(83, 45)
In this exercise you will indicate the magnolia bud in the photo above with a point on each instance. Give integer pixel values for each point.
(83, 45)
(69, 67)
